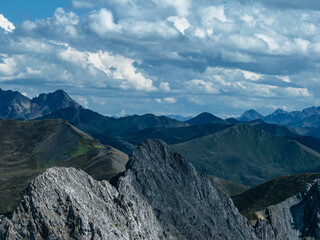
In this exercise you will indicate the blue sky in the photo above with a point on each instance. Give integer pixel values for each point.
(165, 56)
(18, 11)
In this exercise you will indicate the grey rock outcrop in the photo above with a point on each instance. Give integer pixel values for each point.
(159, 196)
(295, 218)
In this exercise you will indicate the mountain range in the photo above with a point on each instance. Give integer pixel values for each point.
(196, 139)
(14, 105)
(158, 196)
(108, 196)
(308, 117)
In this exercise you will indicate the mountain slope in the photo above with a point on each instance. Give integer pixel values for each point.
(174, 135)
(295, 218)
(109, 130)
(28, 148)
(271, 192)
(228, 187)
(205, 118)
(159, 196)
(248, 155)
(13, 105)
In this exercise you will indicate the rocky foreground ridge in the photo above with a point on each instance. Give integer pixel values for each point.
(159, 196)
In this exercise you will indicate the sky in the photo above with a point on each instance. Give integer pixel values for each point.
(120, 57)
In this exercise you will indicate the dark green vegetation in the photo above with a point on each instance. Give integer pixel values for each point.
(228, 187)
(28, 148)
(271, 193)
(248, 155)
(174, 135)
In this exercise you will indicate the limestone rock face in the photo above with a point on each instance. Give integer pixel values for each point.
(295, 218)
(159, 196)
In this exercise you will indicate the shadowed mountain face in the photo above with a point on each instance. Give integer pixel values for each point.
(28, 148)
(159, 196)
(13, 105)
(109, 130)
(248, 155)
(205, 118)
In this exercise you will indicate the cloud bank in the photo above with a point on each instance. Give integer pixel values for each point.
(182, 56)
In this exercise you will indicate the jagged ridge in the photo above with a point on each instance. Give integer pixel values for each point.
(160, 196)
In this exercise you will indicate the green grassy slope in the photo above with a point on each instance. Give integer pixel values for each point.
(247, 155)
(28, 148)
(228, 187)
(174, 135)
(271, 193)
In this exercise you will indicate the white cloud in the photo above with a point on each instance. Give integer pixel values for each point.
(165, 86)
(251, 75)
(213, 12)
(119, 70)
(28, 25)
(170, 100)
(202, 86)
(7, 65)
(181, 24)
(81, 4)
(158, 100)
(61, 17)
(182, 6)
(6, 24)
(298, 92)
(102, 22)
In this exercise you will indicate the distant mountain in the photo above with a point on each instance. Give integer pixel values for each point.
(306, 122)
(280, 117)
(248, 155)
(178, 117)
(250, 115)
(13, 105)
(27, 148)
(174, 135)
(308, 117)
(205, 118)
(109, 130)
(232, 121)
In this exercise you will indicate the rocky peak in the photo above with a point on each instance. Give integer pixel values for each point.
(159, 196)
(250, 115)
(278, 112)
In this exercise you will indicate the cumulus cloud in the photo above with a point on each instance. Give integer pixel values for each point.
(202, 86)
(165, 86)
(6, 24)
(250, 53)
(170, 100)
(7, 65)
(102, 22)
